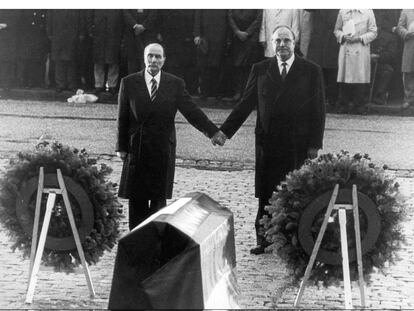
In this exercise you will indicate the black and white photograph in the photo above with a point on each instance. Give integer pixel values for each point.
(206, 156)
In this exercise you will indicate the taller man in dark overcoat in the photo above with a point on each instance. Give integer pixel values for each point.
(290, 117)
(147, 104)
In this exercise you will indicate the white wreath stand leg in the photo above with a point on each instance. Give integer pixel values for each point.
(36, 252)
(344, 247)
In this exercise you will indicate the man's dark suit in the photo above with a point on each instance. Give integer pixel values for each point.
(290, 120)
(146, 131)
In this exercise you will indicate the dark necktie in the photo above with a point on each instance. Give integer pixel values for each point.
(153, 89)
(284, 72)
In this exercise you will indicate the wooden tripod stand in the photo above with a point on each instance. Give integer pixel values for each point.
(37, 250)
(344, 247)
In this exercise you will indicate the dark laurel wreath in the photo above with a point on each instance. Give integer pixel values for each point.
(84, 170)
(315, 177)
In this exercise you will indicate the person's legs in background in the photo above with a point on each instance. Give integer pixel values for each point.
(408, 79)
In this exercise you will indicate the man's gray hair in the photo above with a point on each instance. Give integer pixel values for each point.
(154, 44)
(287, 27)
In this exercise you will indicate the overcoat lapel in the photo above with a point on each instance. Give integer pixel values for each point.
(162, 91)
(272, 84)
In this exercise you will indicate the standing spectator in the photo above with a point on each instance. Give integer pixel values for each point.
(406, 30)
(244, 44)
(323, 49)
(273, 18)
(8, 35)
(210, 31)
(140, 29)
(176, 29)
(33, 46)
(107, 33)
(305, 30)
(65, 31)
(354, 30)
(384, 54)
(85, 57)
(387, 20)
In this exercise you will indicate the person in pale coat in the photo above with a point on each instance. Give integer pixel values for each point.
(405, 29)
(354, 30)
(273, 18)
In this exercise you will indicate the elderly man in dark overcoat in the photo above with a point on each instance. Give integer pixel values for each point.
(287, 92)
(147, 104)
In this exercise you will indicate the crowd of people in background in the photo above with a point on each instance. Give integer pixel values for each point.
(211, 49)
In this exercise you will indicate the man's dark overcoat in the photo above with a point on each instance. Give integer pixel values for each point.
(290, 118)
(107, 34)
(146, 131)
(64, 27)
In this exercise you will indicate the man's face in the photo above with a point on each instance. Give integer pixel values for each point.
(283, 43)
(154, 59)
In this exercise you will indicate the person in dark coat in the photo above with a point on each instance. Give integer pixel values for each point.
(323, 49)
(384, 52)
(8, 45)
(288, 93)
(176, 30)
(140, 29)
(210, 36)
(85, 62)
(245, 25)
(65, 30)
(147, 104)
(387, 20)
(107, 34)
(33, 46)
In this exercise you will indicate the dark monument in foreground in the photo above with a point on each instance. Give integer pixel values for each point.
(181, 257)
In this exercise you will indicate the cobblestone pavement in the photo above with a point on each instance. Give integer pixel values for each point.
(264, 280)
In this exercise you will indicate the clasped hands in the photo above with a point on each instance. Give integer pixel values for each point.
(219, 138)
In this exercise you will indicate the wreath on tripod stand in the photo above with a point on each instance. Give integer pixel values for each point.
(299, 204)
(95, 206)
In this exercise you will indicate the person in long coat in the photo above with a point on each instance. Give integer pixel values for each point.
(287, 92)
(323, 49)
(354, 30)
(273, 18)
(141, 28)
(147, 104)
(245, 25)
(176, 30)
(406, 30)
(65, 31)
(210, 27)
(107, 34)
(8, 46)
(33, 46)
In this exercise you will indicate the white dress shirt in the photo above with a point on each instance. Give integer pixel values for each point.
(148, 78)
(288, 62)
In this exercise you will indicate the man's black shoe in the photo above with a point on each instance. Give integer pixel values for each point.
(259, 249)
